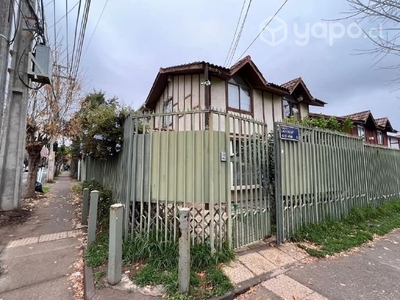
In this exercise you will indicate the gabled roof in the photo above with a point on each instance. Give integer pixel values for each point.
(385, 124)
(360, 116)
(245, 66)
(298, 82)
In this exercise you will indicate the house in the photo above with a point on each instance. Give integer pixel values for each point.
(240, 89)
(373, 131)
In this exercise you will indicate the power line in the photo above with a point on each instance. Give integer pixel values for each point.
(97, 24)
(64, 16)
(81, 37)
(239, 35)
(234, 35)
(258, 35)
(76, 34)
(66, 23)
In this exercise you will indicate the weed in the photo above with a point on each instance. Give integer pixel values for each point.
(97, 254)
(97, 277)
(77, 189)
(358, 227)
(46, 189)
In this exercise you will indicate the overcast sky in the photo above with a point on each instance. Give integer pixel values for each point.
(135, 38)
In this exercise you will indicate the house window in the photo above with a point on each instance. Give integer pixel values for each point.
(361, 131)
(241, 164)
(290, 108)
(167, 120)
(379, 137)
(239, 97)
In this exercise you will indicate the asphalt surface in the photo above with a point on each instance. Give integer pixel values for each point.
(371, 272)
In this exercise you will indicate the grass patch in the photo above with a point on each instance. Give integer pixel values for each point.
(161, 266)
(97, 254)
(359, 227)
(77, 189)
(46, 189)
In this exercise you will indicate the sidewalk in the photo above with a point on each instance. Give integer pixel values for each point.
(36, 262)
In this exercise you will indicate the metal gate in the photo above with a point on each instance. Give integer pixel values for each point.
(210, 161)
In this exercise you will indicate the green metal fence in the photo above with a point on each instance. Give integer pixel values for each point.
(321, 174)
(210, 161)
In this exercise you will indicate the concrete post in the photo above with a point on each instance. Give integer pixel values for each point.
(6, 20)
(184, 251)
(115, 244)
(85, 206)
(94, 199)
(12, 143)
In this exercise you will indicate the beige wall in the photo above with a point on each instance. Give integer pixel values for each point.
(187, 93)
(304, 110)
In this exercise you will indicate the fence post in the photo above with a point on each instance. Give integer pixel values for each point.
(280, 232)
(85, 206)
(115, 244)
(184, 251)
(94, 199)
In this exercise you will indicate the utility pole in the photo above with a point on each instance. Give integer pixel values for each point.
(13, 138)
(6, 18)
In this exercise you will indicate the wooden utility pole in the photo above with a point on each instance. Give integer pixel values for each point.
(13, 137)
(6, 19)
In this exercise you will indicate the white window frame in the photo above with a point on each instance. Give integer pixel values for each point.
(379, 137)
(168, 108)
(232, 83)
(233, 185)
(361, 131)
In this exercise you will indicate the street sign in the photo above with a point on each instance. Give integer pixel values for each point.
(290, 133)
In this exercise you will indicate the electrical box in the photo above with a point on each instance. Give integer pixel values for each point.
(41, 66)
(223, 156)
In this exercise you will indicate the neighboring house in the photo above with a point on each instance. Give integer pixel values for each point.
(241, 89)
(373, 131)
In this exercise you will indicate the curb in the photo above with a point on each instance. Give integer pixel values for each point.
(244, 286)
(89, 290)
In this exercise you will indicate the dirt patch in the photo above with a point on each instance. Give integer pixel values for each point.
(10, 219)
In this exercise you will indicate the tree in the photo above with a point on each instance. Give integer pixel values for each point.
(49, 109)
(331, 123)
(63, 156)
(384, 12)
(98, 126)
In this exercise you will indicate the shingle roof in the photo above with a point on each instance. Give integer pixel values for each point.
(291, 85)
(381, 122)
(359, 116)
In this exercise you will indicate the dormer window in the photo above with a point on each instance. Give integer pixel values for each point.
(239, 96)
(290, 109)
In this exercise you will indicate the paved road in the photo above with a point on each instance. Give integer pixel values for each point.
(372, 272)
